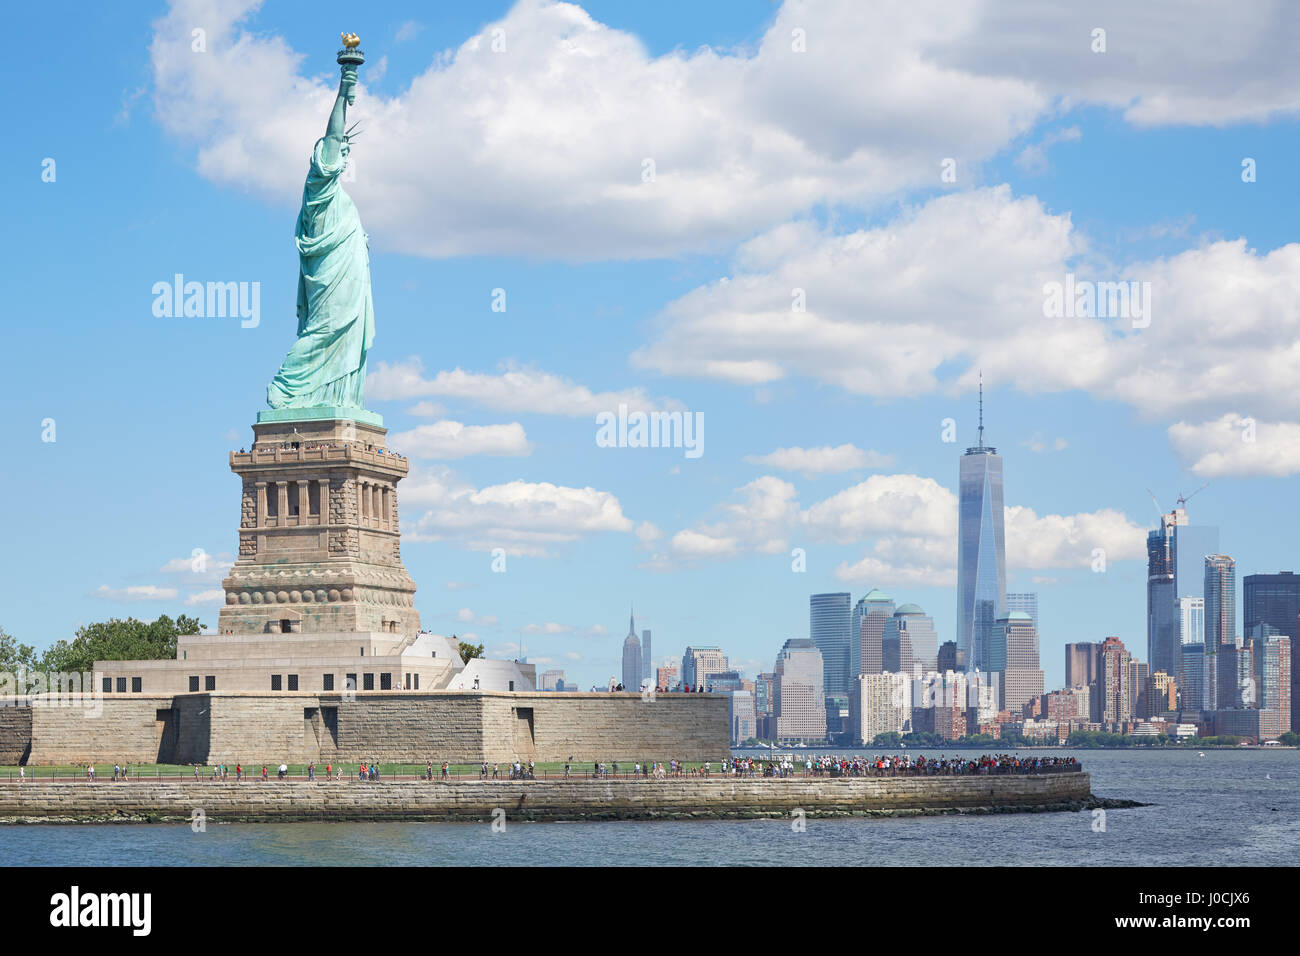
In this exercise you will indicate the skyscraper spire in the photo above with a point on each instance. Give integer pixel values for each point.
(981, 442)
(631, 620)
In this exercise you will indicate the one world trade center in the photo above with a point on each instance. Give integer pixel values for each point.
(981, 550)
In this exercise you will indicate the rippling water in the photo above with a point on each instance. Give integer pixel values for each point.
(1228, 807)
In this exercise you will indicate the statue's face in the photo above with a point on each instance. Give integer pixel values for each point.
(345, 149)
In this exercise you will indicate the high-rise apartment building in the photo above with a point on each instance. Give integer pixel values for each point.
(1220, 627)
(1220, 599)
(666, 677)
(800, 693)
(879, 704)
(1116, 702)
(829, 622)
(1273, 678)
(981, 549)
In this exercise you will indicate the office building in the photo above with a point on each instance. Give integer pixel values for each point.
(800, 693)
(1191, 620)
(829, 622)
(647, 658)
(666, 677)
(553, 680)
(700, 663)
(1082, 663)
(1175, 552)
(725, 681)
(1026, 602)
(867, 630)
(1274, 599)
(950, 659)
(1139, 674)
(632, 657)
(910, 644)
(744, 723)
(1193, 683)
(981, 549)
(1014, 654)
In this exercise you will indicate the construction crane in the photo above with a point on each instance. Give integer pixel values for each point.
(1180, 503)
(1183, 499)
(1155, 502)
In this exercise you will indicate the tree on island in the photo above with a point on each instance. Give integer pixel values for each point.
(468, 651)
(118, 640)
(16, 657)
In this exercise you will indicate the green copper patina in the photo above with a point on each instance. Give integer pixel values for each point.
(324, 374)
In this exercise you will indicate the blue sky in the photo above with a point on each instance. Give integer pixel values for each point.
(775, 169)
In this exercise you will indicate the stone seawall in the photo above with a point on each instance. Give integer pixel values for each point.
(574, 799)
(384, 726)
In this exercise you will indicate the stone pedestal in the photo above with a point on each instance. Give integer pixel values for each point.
(319, 545)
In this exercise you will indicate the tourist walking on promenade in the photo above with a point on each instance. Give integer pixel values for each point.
(311, 771)
(263, 773)
(22, 774)
(239, 772)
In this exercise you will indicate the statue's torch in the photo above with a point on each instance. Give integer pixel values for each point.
(351, 57)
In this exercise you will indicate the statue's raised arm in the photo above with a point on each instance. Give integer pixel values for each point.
(335, 131)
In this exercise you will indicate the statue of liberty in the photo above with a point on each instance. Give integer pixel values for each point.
(326, 367)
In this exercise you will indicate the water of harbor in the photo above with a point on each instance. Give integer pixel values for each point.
(1228, 807)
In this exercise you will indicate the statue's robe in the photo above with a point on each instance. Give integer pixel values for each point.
(336, 320)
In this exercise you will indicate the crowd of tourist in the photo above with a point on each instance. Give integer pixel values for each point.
(893, 765)
(775, 765)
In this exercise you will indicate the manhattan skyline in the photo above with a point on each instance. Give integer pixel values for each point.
(839, 450)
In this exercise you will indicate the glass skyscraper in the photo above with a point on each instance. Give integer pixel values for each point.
(829, 623)
(1175, 569)
(981, 550)
(1221, 643)
(1026, 602)
(1274, 599)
